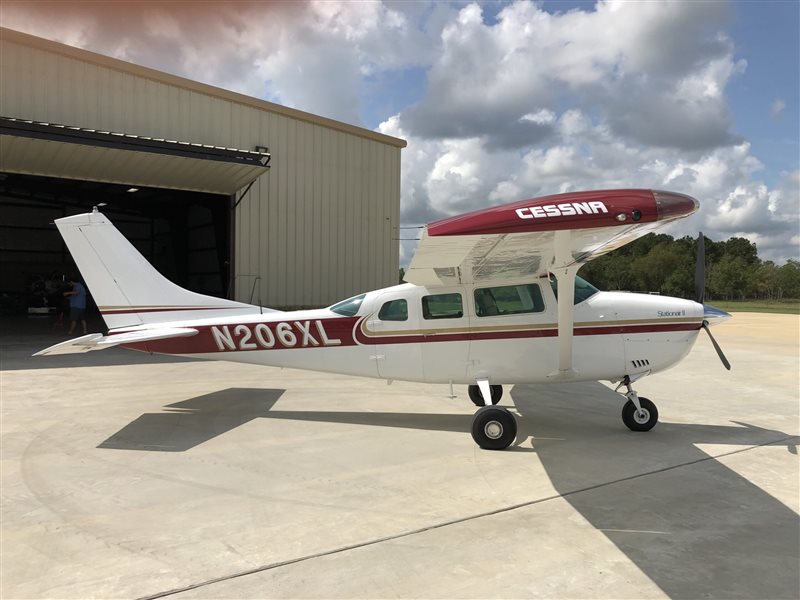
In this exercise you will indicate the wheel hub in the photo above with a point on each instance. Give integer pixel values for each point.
(641, 416)
(493, 430)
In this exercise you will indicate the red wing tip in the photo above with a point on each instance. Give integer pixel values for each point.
(672, 205)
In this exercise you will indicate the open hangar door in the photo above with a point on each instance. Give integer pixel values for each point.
(185, 235)
(173, 200)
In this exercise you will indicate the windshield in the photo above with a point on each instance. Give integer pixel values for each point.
(349, 307)
(583, 289)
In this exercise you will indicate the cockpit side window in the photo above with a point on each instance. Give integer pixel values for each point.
(394, 310)
(583, 289)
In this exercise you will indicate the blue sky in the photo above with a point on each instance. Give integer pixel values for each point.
(766, 35)
(503, 101)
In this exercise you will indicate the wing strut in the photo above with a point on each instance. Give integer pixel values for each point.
(565, 270)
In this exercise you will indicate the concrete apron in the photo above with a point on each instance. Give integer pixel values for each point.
(212, 480)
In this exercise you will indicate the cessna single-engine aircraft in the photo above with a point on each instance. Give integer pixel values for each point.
(492, 298)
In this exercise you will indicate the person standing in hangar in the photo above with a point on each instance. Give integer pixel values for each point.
(77, 305)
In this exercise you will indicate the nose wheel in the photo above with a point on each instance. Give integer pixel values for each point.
(640, 419)
(638, 413)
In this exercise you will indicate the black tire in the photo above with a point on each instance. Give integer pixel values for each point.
(477, 398)
(636, 422)
(494, 428)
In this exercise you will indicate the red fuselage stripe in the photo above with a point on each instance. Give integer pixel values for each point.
(125, 311)
(347, 332)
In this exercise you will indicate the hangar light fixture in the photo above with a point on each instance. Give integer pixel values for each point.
(133, 189)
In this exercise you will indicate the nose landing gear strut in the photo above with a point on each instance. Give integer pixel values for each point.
(638, 413)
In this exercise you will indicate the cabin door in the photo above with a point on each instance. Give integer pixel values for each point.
(395, 327)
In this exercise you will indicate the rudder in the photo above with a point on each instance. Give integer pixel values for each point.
(128, 290)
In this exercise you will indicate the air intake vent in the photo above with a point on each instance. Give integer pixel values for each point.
(641, 362)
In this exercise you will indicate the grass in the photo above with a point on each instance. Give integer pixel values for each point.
(787, 307)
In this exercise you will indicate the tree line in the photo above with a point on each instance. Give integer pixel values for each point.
(659, 263)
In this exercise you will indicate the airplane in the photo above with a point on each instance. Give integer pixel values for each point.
(491, 298)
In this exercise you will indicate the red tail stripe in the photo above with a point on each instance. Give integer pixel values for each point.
(124, 311)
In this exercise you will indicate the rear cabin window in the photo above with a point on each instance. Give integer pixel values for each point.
(348, 307)
(394, 310)
(508, 300)
(442, 306)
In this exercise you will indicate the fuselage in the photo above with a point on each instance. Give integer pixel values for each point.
(506, 332)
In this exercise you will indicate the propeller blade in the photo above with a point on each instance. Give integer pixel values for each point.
(716, 347)
(700, 270)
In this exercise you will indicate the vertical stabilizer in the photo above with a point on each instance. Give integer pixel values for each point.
(127, 289)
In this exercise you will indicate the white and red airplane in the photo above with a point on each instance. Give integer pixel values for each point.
(492, 298)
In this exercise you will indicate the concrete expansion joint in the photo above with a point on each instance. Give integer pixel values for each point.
(789, 440)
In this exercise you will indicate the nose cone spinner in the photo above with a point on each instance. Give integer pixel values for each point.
(714, 315)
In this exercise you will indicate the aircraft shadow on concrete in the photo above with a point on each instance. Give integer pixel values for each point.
(192, 422)
(695, 527)
(698, 531)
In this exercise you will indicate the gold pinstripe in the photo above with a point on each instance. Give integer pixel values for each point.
(525, 327)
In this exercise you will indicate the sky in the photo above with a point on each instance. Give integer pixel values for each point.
(503, 101)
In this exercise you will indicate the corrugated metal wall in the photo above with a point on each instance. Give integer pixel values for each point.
(321, 225)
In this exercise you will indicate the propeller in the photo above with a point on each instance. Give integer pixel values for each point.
(700, 293)
(721, 355)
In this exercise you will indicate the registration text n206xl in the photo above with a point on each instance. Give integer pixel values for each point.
(268, 336)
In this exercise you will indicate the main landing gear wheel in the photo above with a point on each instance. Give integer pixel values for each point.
(494, 428)
(477, 398)
(643, 420)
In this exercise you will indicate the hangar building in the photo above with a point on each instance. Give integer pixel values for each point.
(225, 194)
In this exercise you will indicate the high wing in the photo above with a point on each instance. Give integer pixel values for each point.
(520, 239)
(554, 234)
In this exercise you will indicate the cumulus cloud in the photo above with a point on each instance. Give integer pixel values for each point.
(776, 108)
(625, 95)
(201, 41)
(651, 70)
(518, 104)
(768, 217)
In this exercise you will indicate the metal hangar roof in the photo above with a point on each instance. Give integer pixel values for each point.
(77, 153)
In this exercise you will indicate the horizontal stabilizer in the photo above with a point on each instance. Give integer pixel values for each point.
(98, 341)
(73, 346)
